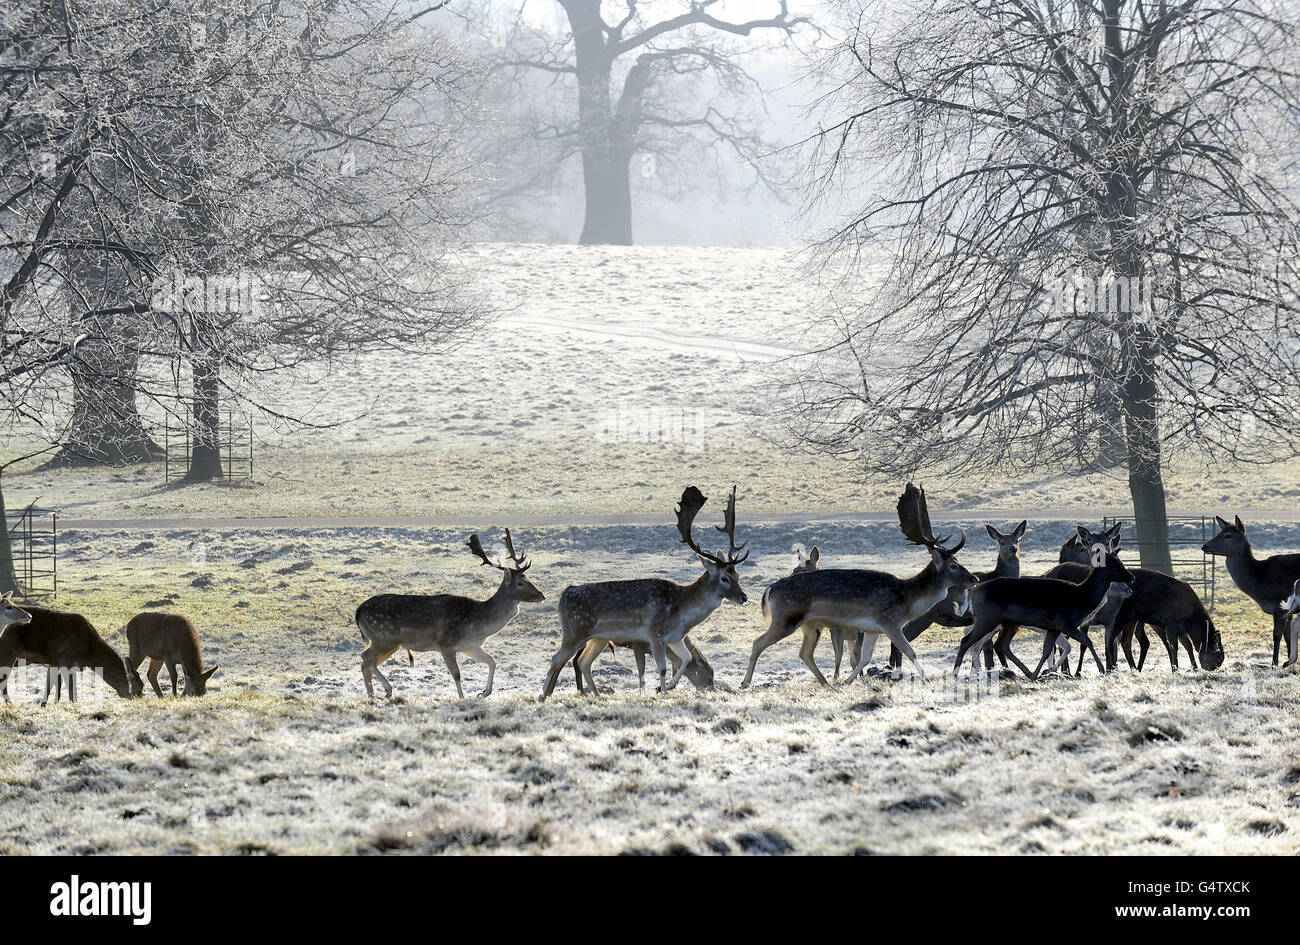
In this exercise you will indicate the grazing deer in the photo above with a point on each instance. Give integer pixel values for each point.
(1266, 581)
(1169, 606)
(167, 639)
(950, 612)
(652, 611)
(447, 623)
(1053, 606)
(66, 642)
(859, 601)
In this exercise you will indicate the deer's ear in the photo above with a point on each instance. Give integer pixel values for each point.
(993, 533)
(709, 565)
(815, 555)
(207, 673)
(1082, 533)
(1019, 531)
(1237, 519)
(1221, 522)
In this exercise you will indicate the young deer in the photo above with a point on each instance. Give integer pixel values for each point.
(1266, 581)
(652, 611)
(167, 639)
(867, 602)
(951, 612)
(1051, 605)
(1169, 606)
(698, 670)
(65, 642)
(447, 623)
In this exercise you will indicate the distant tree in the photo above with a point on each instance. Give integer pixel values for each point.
(1085, 232)
(616, 87)
(227, 190)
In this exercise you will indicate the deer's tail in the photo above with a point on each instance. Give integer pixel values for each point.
(411, 657)
(767, 615)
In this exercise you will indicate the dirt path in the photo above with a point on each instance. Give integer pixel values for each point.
(571, 521)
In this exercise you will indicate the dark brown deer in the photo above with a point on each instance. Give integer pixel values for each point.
(860, 601)
(1054, 606)
(652, 611)
(1266, 581)
(66, 642)
(951, 612)
(447, 623)
(167, 639)
(1169, 606)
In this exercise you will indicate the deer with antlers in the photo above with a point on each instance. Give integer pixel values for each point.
(867, 602)
(653, 611)
(447, 623)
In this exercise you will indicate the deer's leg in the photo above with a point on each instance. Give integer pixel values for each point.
(480, 655)
(1186, 640)
(837, 647)
(568, 649)
(811, 634)
(585, 660)
(577, 672)
(171, 672)
(778, 630)
(371, 657)
(49, 685)
(661, 659)
(900, 640)
(1004, 648)
(449, 657)
(1293, 638)
(155, 667)
(72, 684)
(639, 652)
(1278, 631)
(679, 650)
(868, 647)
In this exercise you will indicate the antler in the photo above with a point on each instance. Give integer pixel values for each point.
(728, 528)
(520, 564)
(692, 501)
(476, 546)
(914, 520)
(518, 561)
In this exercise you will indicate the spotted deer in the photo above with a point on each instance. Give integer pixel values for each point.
(447, 623)
(655, 612)
(859, 601)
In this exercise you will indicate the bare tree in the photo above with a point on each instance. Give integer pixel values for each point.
(616, 87)
(229, 191)
(1080, 219)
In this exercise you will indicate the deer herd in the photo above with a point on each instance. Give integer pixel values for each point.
(1090, 588)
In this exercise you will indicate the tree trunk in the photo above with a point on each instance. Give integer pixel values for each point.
(605, 165)
(8, 576)
(106, 425)
(1145, 481)
(609, 200)
(205, 423)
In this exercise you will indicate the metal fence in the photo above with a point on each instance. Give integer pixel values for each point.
(234, 444)
(34, 540)
(1186, 536)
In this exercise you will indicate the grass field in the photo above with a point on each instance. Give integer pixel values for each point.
(615, 377)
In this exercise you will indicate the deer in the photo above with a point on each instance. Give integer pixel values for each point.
(1169, 606)
(949, 611)
(1291, 613)
(655, 612)
(63, 641)
(1265, 581)
(698, 671)
(448, 623)
(862, 601)
(1053, 606)
(167, 639)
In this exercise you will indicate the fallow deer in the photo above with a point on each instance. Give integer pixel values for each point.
(860, 601)
(447, 623)
(653, 611)
(1053, 606)
(1291, 613)
(167, 639)
(68, 643)
(1266, 581)
(1169, 606)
